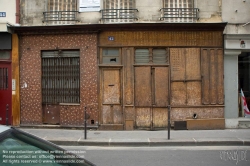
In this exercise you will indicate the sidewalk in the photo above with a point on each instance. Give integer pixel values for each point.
(70, 137)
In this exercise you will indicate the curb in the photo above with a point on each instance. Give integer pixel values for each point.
(151, 144)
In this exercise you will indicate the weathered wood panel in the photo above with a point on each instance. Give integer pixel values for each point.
(15, 75)
(202, 113)
(160, 117)
(220, 71)
(143, 117)
(107, 115)
(161, 86)
(162, 38)
(117, 111)
(111, 86)
(193, 71)
(205, 61)
(213, 76)
(193, 93)
(178, 65)
(178, 93)
(143, 94)
(129, 113)
(129, 77)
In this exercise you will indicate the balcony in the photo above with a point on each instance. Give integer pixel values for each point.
(56, 16)
(179, 14)
(119, 15)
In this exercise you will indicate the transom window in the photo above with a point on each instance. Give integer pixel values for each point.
(60, 77)
(151, 55)
(110, 56)
(5, 55)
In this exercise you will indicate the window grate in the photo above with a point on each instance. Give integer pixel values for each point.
(179, 11)
(3, 78)
(61, 12)
(119, 11)
(60, 77)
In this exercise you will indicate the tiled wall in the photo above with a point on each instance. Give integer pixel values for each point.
(30, 76)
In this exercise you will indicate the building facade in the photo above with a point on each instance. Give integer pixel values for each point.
(236, 55)
(9, 64)
(126, 62)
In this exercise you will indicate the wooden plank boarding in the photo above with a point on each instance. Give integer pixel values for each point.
(143, 95)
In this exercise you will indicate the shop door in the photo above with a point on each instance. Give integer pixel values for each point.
(5, 94)
(111, 96)
(151, 96)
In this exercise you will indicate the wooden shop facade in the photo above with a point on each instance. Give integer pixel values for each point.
(126, 76)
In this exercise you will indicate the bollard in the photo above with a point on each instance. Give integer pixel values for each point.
(85, 123)
(169, 125)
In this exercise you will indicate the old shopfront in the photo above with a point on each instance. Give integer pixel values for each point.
(127, 75)
(143, 73)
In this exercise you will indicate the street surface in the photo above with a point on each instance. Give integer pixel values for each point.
(165, 156)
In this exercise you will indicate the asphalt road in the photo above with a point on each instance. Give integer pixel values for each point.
(165, 156)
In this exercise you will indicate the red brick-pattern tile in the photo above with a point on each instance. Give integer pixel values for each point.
(30, 76)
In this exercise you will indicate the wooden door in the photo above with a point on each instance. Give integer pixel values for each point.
(5, 94)
(151, 96)
(111, 96)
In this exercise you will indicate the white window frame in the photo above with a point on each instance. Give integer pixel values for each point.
(59, 5)
(178, 4)
(118, 4)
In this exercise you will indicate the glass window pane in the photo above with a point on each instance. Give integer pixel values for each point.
(111, 56)
(4, 55)
(159, 56)
(141, 56)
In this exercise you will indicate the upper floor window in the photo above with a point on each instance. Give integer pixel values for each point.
(61, 11)
(119, 11)
(179, 11)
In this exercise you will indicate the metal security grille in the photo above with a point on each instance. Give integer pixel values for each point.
(60, 77)
(3, 78)
(119, 11)
(60, 10)
(179, 11)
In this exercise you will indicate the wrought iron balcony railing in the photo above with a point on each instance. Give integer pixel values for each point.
(60, 16)
(181, 14)
(119, 14)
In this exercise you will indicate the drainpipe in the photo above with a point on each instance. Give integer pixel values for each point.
(17, 11)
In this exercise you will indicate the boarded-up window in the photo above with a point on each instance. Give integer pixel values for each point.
(212, 70)
(185, 76)
(179, 10)
(60, 77)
